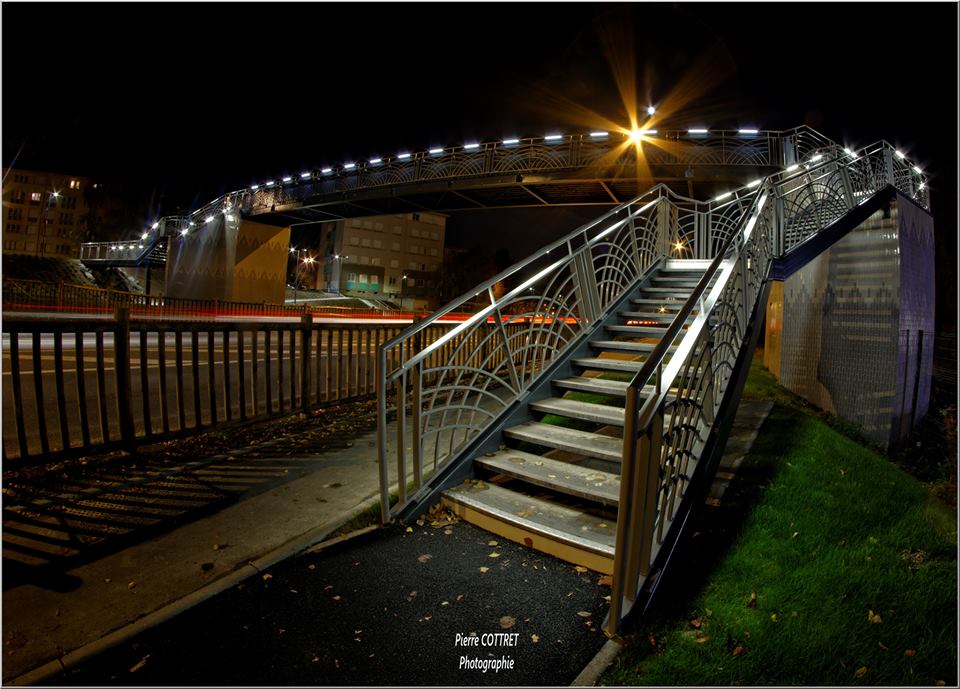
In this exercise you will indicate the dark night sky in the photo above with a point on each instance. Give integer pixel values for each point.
(189, 100)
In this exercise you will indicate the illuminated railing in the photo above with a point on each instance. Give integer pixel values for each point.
(731, 148)
(690, 370)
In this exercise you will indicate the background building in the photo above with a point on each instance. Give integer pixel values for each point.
(45, 214)
(395, 257)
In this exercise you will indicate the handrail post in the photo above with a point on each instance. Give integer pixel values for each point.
(121, 354)
(306, 331)
(381, 433)
(888, 165)
(416, 383)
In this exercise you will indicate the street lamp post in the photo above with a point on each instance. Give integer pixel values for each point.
(296, 269)
(41, 229)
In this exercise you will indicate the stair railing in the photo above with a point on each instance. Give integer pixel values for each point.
(529, 314)
(665, 432)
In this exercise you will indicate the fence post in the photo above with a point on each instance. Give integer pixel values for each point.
(121, 353)
(306, 331)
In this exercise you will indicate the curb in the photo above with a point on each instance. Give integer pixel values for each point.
(292, 547)
(591, 673)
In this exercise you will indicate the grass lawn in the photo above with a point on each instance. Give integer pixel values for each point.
(850, 562)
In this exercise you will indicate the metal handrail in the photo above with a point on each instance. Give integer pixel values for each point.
(802, 138)
(644, 432)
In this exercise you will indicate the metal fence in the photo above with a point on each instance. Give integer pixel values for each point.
(73, 387)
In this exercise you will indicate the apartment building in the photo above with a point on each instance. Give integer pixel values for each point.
(44, 213)
(395, 257)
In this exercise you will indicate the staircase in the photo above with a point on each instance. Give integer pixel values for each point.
(583, 411)
(555, 485)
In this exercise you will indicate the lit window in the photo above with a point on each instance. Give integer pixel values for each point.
(74, 183)
(35, 197)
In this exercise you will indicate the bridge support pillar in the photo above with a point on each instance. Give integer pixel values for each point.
(852, 331)
(231, 259)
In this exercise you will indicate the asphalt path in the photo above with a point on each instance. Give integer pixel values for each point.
(391, 608)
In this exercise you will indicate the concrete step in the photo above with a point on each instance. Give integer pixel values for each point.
(614, 388)
(638, 330)
(598, 364)
(575, 409)
(689, 281)
(563, 532)
(626, 346)
(563, 477)
(669, 303)
(569, 439)
(665, 292)
(654, 316)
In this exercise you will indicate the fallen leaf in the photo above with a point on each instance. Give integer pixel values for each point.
(494, 555)
(580, 569)
(492, 544)
(874, 618)
(653, 641)
(426, 557)
(447, 532)
(409, 529)
(534, 638)
(738, 651)
(753, 600)
(506, 622)
(281, 631)
(795, 534)
(702, 638)
(603, 525)
(773, 617)
(605, 580)
(484, 569)
(294, 591)
(107, 581)
(696, 623)
(143, 661)
(132, 585)
(411, 595)
(267, 577)
(336, 598)
(311, 567)
(910, 653)
(939, 683)
(446, 602)
(584, 613)
(860, 671)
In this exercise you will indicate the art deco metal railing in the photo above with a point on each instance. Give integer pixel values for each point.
(728, 148)
(665, 433)
(558, 293)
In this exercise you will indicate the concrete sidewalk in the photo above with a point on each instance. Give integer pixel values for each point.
(155, 579)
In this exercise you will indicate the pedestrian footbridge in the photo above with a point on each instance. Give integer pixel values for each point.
(582, 411)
